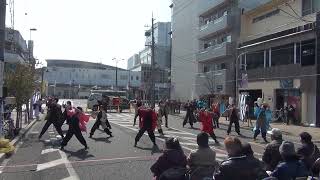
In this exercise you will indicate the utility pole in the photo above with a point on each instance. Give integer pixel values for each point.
(152, 64)
(2, 39)
(2, 42)
(117, 61)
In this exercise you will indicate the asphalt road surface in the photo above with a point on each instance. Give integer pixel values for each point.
(107, 158)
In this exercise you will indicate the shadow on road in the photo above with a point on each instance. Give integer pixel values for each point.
(154, 149)
(81, 154)
(103, 139)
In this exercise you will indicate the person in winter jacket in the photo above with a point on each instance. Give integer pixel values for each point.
(74, 129)
(206, 123)
(291, 167)
(233, 118)
(102, 120)
(172, 157)
(202, 162)
(148, 123)
(237, 166)
(308, 151)
(271, 156)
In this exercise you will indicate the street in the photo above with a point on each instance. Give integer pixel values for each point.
(107, 158)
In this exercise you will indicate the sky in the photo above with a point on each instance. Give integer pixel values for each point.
(88, 30)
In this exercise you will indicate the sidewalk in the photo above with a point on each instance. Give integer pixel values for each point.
(290, 130)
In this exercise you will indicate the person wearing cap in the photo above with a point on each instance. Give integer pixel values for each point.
(271, 156)
(308, 151)
(291, 167)
(74, 129)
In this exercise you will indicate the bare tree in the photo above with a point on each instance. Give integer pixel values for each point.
(21, 84)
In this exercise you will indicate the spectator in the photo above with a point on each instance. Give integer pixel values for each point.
(308, 151)
(247, 151)
(271, 156)
(237, 166)
(172, 157)
(202, 162)
(291, 167)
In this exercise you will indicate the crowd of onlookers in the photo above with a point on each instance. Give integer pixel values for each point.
(279, 161)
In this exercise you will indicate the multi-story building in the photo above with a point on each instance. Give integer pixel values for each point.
(142, 63)
(204, 39)
(66, 78)
(16, 49)
(278, 49)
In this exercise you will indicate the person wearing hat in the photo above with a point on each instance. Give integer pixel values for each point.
(291, 167)
(271, 156)
(74, 129)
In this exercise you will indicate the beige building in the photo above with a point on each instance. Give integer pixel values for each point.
(277, 50)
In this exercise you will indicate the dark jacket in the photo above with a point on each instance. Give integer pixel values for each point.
(290, 169)
(55, 113)
(271, 155)
(309, 153)
(241, 167)
(169, 159)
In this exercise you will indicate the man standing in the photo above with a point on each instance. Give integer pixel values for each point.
(189, 115)
(148, 123)
(271, 156)
(234, 118)
(167, 107)
(216, 116)
(54, 117)
(138, 105)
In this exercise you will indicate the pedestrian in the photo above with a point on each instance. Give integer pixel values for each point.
(271, 156)
(54, 117)
(202, 162)
(167, 107)
(102, 119)
(189, 114)
(262, 122)
(172, 159)
(137, 106)
(148, 123)
(216, 115)
(159, 122)
(247, 115)
(291, 115)
(37, 109)
(206, 123)
(74, 128)
(163, 111)
(234, 118)
(291, 167)
(237, 166)
(309, 152)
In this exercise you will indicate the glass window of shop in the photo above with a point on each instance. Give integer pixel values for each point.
(282, 55)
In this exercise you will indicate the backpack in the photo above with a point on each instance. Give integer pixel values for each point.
(175, 173)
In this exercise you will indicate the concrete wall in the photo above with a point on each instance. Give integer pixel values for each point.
(273, 24)
(185, 23)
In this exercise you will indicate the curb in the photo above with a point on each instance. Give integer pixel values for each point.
(22, 133)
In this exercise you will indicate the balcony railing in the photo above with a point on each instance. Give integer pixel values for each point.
(213, 52)
(214, 26)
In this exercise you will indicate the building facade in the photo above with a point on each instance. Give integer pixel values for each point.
(204, 39)
(66, 78)
(142, 63)
(277, 49)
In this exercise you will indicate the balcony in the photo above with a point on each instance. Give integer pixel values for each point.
(217, 51)
(215, 26)
(207, 6)
(213, 82)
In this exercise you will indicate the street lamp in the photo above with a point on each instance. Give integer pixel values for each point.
(117, 61)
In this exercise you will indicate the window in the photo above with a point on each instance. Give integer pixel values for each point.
(308, 49)
(205, 69)
(282, 55)
(267, 15)
(105, 76)
(131, 78)
(298, 53)
(310, 6)
(255, 60)
(123, 77)
(137, 78)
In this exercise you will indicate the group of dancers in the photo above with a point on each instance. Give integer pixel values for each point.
(149, 120)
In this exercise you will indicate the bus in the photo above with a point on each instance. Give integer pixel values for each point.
(114, 99)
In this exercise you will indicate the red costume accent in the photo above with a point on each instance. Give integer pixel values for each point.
(143, 113)
(206, 121)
